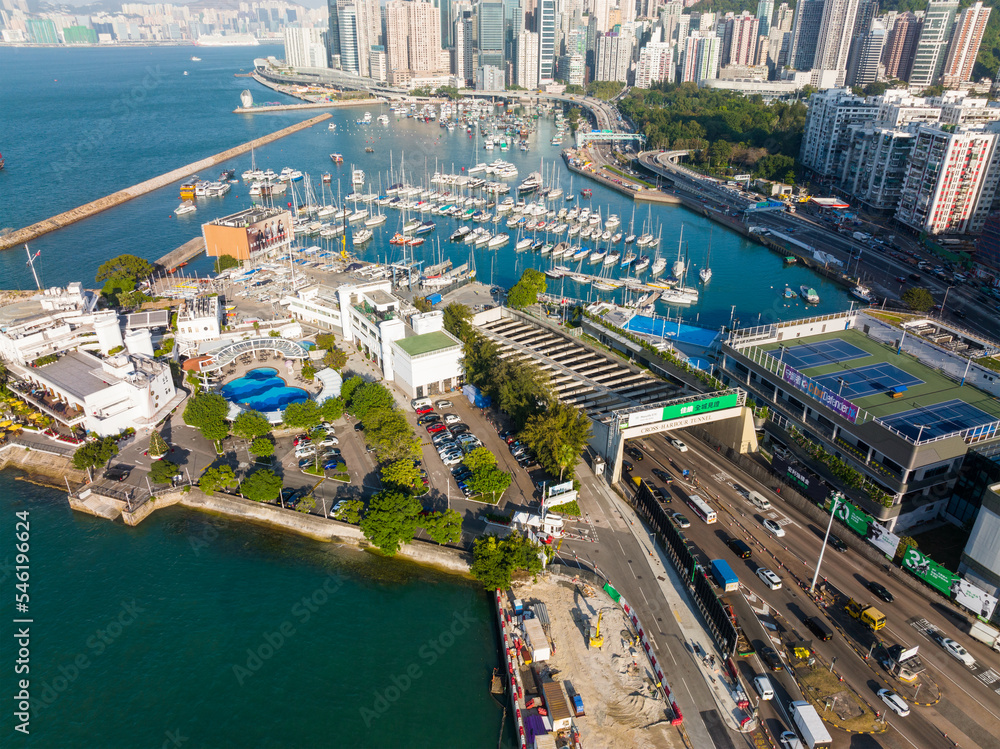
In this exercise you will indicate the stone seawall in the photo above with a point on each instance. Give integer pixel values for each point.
(43, 468)
(79, 213)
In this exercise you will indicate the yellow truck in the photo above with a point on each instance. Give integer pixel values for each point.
(870, 616)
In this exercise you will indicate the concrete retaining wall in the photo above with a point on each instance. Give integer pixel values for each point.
(52, 470)
(110, 201)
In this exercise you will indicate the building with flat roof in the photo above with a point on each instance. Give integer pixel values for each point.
(981, 557)
(900, 401)
(199, 319)
(250, 234)
(427, 364)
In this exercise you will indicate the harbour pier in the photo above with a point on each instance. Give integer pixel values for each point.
(187, 251)
(62, 220)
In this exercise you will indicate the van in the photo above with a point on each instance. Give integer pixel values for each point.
(739, 548)
(759, 500)
(769, 578)
(818, 627)
(763, 686)
(420, 402)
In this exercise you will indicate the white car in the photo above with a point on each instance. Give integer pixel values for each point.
(305, 451)
(335, 510)
(773, 527)
(763, 686)
(329, 442)
(679, 445)
(769, 579)
(452, 418)
(958, 652)
(789, 740)
(444, 404)
(895, 702)
(451, 459)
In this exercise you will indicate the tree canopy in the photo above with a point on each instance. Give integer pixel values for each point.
(443, 527)
(208, 412)
(518, 387)
(158, 445)
(162, 472)
(95, 453)
(918, 299)
(261, 447)
(391, 435)
(261, 486)
(401, 474)
(220, 477)
(371, 397)
(250, 425)
(391, 520)
(486, 478)
(456, 319)
(302, 415)
(333, 408)
(225, 262)
(124, 266)
(495, 560)
(557, 436)
(526, 291)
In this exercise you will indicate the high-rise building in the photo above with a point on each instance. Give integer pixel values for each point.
(866, 56)
(655, 64)
(305, 47)
(463, 51)
(527, 60)
(348, 25)
(546, 14)
(964, 46)
(377, 63)
(412, 39)
(805, 33)
(946, 188)
(614, 55)
(447, 22)
(489, 17)
(783, 18)
(900, 46)
(765, 9)
(368, 17)
(489, 78)
(333, 32)
(834, 42)
(742, 39)
(929, 57)
(700, 58)
(823, 139)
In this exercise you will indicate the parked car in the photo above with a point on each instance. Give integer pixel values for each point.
(424, 410)
(444, 404)
(956, 651)
(773, 527)
(452, 418)
(428, 418)
(435, 428)
(880, 590)
(451, 459)
(359, 427)
(459, 428)
(299, 439)
(895, 702)
(331, 464)
(117, 473)
(337, 508)
(306, 462)
(329, 441)
(304, 451)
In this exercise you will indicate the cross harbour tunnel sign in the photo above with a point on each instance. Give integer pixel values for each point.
(680, 410)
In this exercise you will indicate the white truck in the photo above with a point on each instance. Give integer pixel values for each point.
(987, 634)
(810, 725)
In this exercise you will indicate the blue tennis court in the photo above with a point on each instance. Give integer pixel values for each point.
(942, 418)
(864, 381)
(818, 353)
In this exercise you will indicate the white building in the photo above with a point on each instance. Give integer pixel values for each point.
(527, 60)
(824, 139)
(614, 56)
(53, 321)
(200, 319)
(655, 64)
(305, 47)
(489, 78)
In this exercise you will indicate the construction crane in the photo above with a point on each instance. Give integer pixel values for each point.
(596, 638)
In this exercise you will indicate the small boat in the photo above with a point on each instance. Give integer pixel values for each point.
(361, 236)
(641, 264)
(327, 179)
(862, 292)
(357, 177)
(426, 226)
(809, 294)
(616, 238)
(195, 59)
(332, 126)
(397, 239)
(459, 233)
(586, 192)
(705, 274)
(369, 149)
(357, 216)
(597, 257)
(498, 241)
(523, 245)
(186, 207)
(337, 158)
(612, 258)
(377, 220)
(789, 293)
(630, 239)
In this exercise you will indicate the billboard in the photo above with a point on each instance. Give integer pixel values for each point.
(976, 600)
(883, 539)
(806, 482)
(678, 410)
(827, 397)
(554, 489)
(849, 515)
(932, 573)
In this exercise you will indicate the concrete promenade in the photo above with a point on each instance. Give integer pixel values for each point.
(87, 210)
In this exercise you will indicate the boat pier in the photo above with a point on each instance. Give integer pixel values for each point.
(62, 220)
(187, 251)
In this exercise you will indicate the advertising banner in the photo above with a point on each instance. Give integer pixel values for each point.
(827, 397)
(977, 600)
(929, 571)
(851, 516)
(807, 483)
(677, 410)
(554, 489)
(883, 539)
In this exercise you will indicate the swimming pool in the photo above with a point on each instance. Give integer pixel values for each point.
(263, 390)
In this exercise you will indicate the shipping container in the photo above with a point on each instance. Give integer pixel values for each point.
(555, 703)
(434, 298)
(536, 640)
(724, 575)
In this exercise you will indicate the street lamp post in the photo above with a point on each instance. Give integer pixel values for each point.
(945, 299)
(834, 501)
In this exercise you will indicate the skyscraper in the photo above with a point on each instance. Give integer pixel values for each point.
(929, 58)
(900, 45)
(333, 33)
(865, 59)
(527, 60)
(655, 64)
(805, 33)
(743, 39)
(412, 39)
(834, 42)
(348, 25)
(964, 46)
(369, 22)
(614, 55)
(700, 59)
(305, 47)
(765, 9)
(490, 32)
(462, 62)
(546, 13)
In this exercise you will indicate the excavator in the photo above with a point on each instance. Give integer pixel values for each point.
(596, 638)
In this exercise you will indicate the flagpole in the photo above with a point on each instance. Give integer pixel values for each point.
(31, 262)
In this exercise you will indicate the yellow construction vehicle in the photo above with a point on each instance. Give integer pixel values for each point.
(596, 638)
(870, 616)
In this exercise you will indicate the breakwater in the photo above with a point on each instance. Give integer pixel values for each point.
(87, 210)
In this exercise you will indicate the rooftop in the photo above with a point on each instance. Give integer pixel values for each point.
(75, 373)
(379, 297)
(927, 403)
(249, 216)
(427, 343)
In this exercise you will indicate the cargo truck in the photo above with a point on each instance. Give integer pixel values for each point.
(986, 634)
(810, 725)
(724, 575)
(870, 616)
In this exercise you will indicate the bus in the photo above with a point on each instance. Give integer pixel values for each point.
(701, 508)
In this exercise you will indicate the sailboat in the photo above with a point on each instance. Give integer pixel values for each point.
(570, 196)
(705, 274)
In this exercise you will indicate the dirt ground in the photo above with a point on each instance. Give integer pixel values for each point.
(615, 682)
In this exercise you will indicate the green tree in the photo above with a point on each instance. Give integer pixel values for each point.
(918, 299)
(391, 520)
(604, 89)
(308, 371)
(480, 458)
(335, 358)
(208, 412)
(158, 445)
(274, 333)
(369, 398)
(423, 304)
(457, 319)
(490, 481)
(332, 408)
(215, 479)
(557, 436)
(162, 472)
(443, 527)
(250, 425)
(307, 504)
(261, 447)
(526, 290)
(225, 262)
(401, 474)
(350, 511)
(520, 389)
(480, 357)
(326, 341)
(95, 453)
(494, 561)
(391, 435)
(905, 542)
(349, 386)
(261, 486)
(303, 415)
(124, 266)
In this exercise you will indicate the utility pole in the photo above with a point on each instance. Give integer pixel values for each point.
(834, 501)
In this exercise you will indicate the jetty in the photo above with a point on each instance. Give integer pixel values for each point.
(187, 251)
(305, 105)
(62, 220)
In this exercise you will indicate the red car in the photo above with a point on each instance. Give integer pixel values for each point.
(302, 439)
(435, 427)
(424, 410)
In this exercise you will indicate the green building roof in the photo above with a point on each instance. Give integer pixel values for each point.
(427, 343)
